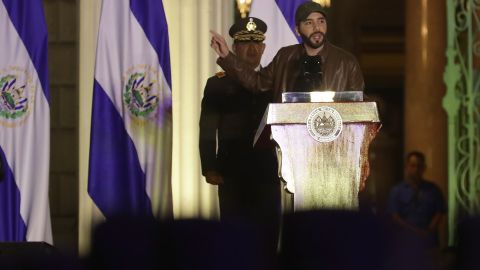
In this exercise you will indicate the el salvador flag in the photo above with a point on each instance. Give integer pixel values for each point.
(279, 15)
(131, 132)
(24, 123)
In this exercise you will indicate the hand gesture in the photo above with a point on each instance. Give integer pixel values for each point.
(219, 44)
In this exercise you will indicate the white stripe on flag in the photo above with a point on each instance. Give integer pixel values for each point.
(278, 32)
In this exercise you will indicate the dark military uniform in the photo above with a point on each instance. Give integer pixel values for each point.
(251, 188)
(230, 116)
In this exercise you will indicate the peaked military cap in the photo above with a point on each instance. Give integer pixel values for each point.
(248, 29)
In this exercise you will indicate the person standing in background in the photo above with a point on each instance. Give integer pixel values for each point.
(246, 176)
(416, 204)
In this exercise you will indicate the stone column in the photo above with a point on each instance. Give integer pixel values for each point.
(425, 119)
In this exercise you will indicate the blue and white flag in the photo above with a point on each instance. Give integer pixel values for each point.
(131, 132)
(279, 15)
(24, 122)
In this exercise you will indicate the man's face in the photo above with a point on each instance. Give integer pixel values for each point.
(249, 51)
(414, 168)
(313, 30)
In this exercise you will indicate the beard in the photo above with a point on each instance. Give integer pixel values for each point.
(313, 44)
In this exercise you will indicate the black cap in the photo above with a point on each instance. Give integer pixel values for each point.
(248, 29)
(305, 9)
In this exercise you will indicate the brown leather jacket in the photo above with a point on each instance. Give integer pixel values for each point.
(341, 71)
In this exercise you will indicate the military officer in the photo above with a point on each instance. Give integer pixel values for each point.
(247, 178)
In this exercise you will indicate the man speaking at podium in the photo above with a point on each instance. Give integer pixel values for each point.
(314, 65)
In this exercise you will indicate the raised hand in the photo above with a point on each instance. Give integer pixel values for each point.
(219, 44)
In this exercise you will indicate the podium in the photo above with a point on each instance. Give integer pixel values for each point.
(323, 150)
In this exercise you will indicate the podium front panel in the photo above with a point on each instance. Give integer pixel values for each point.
(324, 175)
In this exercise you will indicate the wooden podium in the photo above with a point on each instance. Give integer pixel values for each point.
(323, 150)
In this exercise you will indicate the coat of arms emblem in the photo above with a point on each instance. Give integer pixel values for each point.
(141, 95)
(14, 97)
(324, 124)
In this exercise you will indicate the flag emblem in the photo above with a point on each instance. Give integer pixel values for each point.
(15, 95)
(141, 95)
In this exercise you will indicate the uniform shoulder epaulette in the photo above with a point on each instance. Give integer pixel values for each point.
(220, 74)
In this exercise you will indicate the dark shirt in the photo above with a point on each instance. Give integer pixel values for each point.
(416, 207)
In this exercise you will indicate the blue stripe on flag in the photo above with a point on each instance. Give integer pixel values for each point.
(288, 8)
(12, 226)
(25, 16)
(116, 180)
(151, 16)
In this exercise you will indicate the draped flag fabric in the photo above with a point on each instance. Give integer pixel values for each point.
(279, 15)
(131, 131)
(24, 123)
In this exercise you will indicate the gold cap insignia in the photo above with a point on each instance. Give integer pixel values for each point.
(251, 26)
